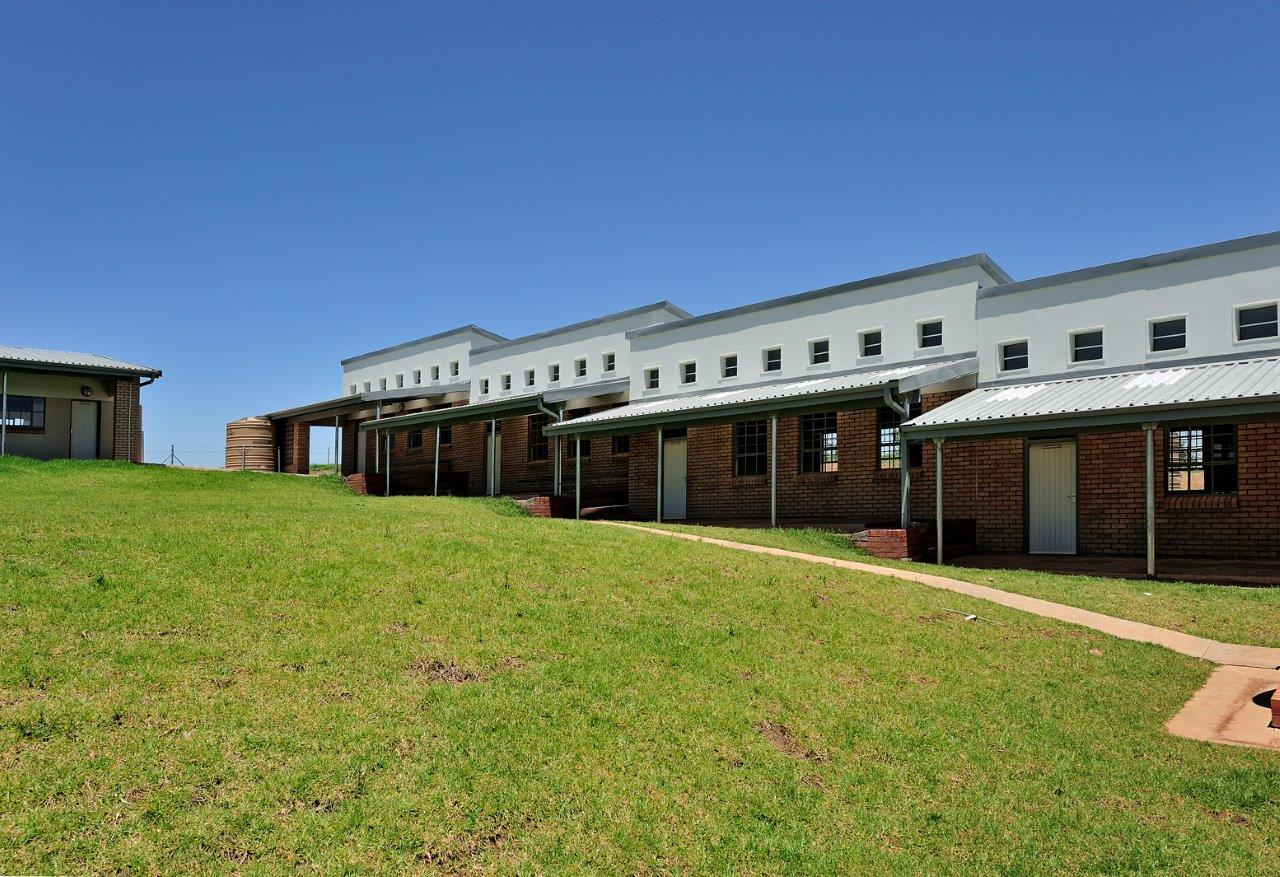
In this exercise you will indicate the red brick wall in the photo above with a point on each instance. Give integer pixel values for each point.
(127, 416)
(294, 440)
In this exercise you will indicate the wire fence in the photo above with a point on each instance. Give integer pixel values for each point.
(209, 456)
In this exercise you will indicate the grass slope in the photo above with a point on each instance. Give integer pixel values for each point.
(208, 673)
(1222, 612)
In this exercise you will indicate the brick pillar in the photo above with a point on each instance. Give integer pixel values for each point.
(350, 438)
(294, 439)
(127, 429)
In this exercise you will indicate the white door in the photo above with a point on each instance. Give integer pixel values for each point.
(675, 467)
(84, 430)
(1051, 500)
(492, 451)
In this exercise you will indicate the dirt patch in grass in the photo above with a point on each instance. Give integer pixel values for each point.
(435, 671)
(454, 854)
(783, 740)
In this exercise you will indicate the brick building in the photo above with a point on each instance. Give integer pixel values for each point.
(56, 404)
(1121, 409)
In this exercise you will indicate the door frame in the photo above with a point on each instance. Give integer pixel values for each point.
(97, 429)
(684, 439)
(1026, 484)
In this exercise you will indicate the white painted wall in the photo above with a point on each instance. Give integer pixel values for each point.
(1207, 291)
(442, 352)
(894, 308)
(590, 342)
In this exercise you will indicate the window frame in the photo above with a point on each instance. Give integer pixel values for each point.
(417, 377)
(446, 434)
(609, 362)
(580, 368)
(920, 336)
(1071, 346)
(744, 449)
(435, 373)
(539, 444)
(652, 379)
(1261, 339)
(484, 386)
(368, 386)
(862, 343)
(1151, 336)
(764, 359)
(36, 410)
(382, 385)
(816, 455)
(504, 382)
(684, 371)
(1002, 368)
(724, 367)
(400, 381)
(530, 377)
(915, 449)
(621, 444)
(1212, 469)
(455, 369)
(355, 389)
(813, 352)
(414, 441)
(553, 373)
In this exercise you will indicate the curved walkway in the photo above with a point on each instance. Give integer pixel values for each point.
(1225, 710)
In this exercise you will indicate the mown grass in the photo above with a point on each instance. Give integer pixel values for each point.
(1222, 612)
(207, 673)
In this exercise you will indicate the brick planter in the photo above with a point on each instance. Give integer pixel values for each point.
(896, 544)
(551, 507)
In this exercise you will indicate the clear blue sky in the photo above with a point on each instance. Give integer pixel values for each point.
(244, 194)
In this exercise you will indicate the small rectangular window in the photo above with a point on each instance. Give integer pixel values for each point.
(399, 381)
(484, 386)
(890, 455)
(538, 444)
(931, 334)
(871, 343)
(435, 372)
(573, 448)
(415, 438)
(453, 369)
(1258, 321)
(579, 368)
(25, 412)
(553, 373)
(688, 373)
(729, 366)
(446, 434)
(750, 447)
(368, 386)
(651, 379)
(528, 377)
(417, 375)
(382, 383)
(1086, 346)
(773, 359)
(506, 382)
(622, 444)
(1201, 459)
(610, 362)
(354, 390)
(1014, 356)
(820, 352)
(819, 443)
(1168, 334)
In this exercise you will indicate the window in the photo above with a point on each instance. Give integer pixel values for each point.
(890, 456)
(553, 373)
(399, 381)
(871, 342)
(579, 368)
(773, 359)
(506, 382)
(750, 444)
(1168, 334)
(622, 444)
(453, 369)
(354, 390)
(729, 366)
(415, 439)
(931, 334)
(1013, 356)
(484, 386)
(1201, 459)
(820, 352)
(528, 377)
(610, 362)
(446, 434)
(573, 448)
(819, 443)
(367, 386)
(417, 375)
(651, 379)
(537, 438)
(25, 412)
(688, 373)
(1086, 346)
(382, 383)
(1257, 321)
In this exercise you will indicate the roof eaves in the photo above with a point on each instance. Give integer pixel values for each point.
(664, 305)
(460, 330)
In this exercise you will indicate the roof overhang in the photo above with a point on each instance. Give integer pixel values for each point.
(361, 401)
(793, 397)
(33, 367)
(513, 406)
(587, 391)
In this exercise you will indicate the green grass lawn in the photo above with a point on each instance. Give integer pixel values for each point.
(204, 672)
(1222, 612)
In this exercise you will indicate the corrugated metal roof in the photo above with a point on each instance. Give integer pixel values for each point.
(36, 356)
(905, 377)
(1248, 380)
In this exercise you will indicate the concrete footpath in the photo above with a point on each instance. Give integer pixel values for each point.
(1232, 707)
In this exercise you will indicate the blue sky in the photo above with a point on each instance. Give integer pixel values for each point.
(244, 194)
